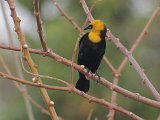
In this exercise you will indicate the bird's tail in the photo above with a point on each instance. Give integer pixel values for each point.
(82, 83)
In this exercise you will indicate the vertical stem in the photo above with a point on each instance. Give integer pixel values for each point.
(32, 66)
(17, 65)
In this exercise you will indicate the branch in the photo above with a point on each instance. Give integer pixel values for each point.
(123, 63)
(75, 25)
(128, 54)
(39, 25)
(17, 65)
(102, 81)
(29, 60)
(141, 36)
(63, 13)
(110, 66)
(74, 90)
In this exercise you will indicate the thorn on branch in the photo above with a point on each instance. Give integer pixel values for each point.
(39, 84)
(55, 3)
(112, 87)
(36, 13)
(82, 66)
(138, 95)
(25, 46)
(117, 75)
(82, 93)
(34, 79)
(11, 7)
(146, 32)
(18, 20)
(90, 100)
(130, 63)
(144, 81)
(130, 113)
(59, 60)
(51, 103)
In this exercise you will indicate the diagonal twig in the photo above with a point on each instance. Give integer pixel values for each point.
(39, 25)
(128, 54)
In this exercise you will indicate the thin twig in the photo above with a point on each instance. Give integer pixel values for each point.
(90, 114)
(82, 94)
(103, 81)
(158, 117)
(128, 54)
(39, 25)
(63, 13)
(43, 76)
(43, 110)
(110, 66)
(29, 60)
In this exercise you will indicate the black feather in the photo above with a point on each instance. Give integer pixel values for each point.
(90, 55)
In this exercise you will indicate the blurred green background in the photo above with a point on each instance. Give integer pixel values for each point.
(125, 18)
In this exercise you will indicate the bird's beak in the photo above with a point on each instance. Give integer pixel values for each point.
(88, 27)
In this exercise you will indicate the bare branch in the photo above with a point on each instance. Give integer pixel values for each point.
(90, 115)
(141, 36)
(17, 65)
(39, 25)
(128, 54)
(82, 94)
(63, 13)
(102, 81)
(28, 58)
(123, 63)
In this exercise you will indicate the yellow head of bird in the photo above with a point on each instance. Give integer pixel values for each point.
(96, 26)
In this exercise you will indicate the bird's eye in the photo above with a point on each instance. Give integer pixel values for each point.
(90, 26)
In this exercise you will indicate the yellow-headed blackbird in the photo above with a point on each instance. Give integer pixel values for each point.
(91, 50)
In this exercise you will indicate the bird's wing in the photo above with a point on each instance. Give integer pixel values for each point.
(82, 39)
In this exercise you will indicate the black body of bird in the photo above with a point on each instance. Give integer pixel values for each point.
(91, 50)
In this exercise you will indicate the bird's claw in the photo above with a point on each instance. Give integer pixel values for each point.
(99, 77)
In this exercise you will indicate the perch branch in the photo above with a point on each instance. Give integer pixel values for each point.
(102, 81)
(75, 25)
(77, 42)
(74, 90)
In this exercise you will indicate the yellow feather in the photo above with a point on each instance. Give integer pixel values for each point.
(94, 37)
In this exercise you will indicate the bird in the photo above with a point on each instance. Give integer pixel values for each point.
(92, 47)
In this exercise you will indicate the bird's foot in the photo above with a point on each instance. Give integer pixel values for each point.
(88, 70)
(99, 77)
